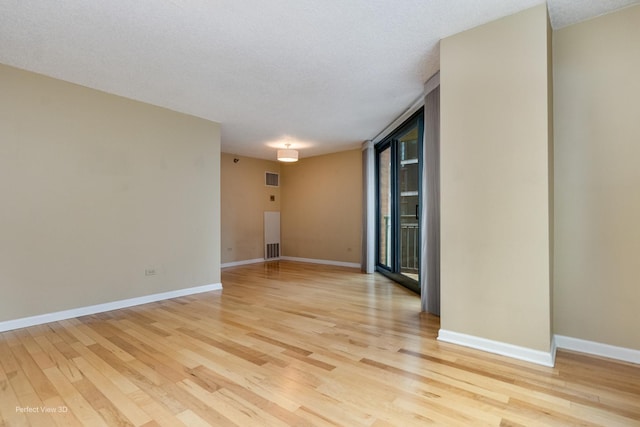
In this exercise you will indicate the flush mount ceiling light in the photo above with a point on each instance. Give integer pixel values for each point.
(287, 155)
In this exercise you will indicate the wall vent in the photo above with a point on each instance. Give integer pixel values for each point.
(271, 179)
(272, 251)
(271, 235)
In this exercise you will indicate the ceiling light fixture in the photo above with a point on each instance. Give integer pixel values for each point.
(288, 155)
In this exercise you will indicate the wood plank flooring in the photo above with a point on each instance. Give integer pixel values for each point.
(292, 344)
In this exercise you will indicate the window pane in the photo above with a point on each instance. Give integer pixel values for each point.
(384, 198)
(409, 198)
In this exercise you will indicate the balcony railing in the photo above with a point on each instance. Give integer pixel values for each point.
(409, 246)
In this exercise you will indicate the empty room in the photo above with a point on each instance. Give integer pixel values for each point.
(322, 213)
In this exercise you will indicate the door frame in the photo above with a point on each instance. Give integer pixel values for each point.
(391, 142)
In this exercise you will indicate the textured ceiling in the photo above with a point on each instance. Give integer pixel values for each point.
(322, 74)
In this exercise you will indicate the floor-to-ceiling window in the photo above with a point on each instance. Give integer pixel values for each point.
(398, 182)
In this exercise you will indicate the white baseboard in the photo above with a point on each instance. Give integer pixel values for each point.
(598, 349)
(290, 258)
(522, 353)
(24, 322)
(321, 261)
(243, 262)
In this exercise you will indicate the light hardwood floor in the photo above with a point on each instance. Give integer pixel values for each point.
(292, 344)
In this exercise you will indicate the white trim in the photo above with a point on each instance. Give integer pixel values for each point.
(321, 261)
(100, 308)
(522, 353)
(243, 262)
(432, 83)
(367, 144)
(598, 349)
(415, 106)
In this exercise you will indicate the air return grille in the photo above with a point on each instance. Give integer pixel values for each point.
(271, 235)
(273, 251)
(271, 179)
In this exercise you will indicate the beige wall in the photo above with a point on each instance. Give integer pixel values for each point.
(597, 203)
(244, 199)
(322, 207)
(495, 184)
(94, 190)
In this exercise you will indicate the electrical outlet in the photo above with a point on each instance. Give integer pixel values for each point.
(150, 272)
